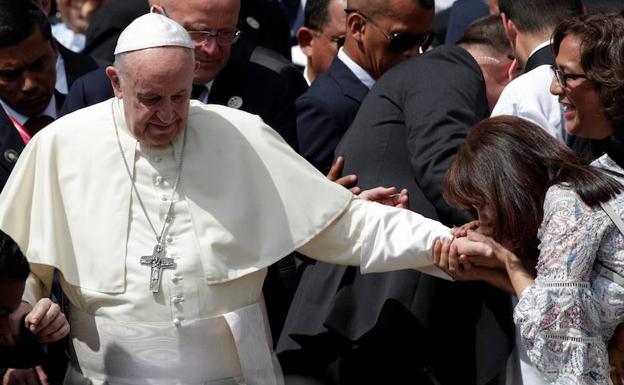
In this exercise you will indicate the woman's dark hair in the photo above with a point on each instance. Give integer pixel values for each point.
(602, 58)
(13, 264)
(507, 164)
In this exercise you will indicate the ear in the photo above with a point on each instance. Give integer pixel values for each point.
(46, 6)
(156, 8)
(113, 75)
(356, 26)
(304, 37)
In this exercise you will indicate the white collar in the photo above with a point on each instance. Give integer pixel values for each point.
(540, 46)
(21, 119)
(61, 79)
(357, 70)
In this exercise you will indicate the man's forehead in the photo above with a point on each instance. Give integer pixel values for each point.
(203, 14)
(29, 50)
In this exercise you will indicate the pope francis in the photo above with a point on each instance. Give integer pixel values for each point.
(162, 215)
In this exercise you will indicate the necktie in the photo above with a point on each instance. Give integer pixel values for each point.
(34, 124)
(198, 89)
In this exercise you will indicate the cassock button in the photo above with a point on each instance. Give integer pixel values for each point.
(235, 102)
(253, 23)
(169, 239)
(11, 156)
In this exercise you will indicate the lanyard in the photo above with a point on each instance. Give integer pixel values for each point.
(20, 129)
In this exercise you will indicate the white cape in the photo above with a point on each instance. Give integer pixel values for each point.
(252, 199)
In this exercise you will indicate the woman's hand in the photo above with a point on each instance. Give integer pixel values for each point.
(462, 230)
(47, 322)
(461, 267)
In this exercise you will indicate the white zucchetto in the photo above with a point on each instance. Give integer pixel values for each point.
(152, 30)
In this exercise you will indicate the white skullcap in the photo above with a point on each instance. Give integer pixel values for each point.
(152, 30)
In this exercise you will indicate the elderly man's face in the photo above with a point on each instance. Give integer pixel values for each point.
(28, 74)
(155, 86)
(206, 15)
(410, 18)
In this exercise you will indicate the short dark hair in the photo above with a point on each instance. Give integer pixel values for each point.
(487, 31)
(13, 264)
(539, 16)
(316, 14)
(384, 8)
(602, 58)
(18, 20)
(507, 164)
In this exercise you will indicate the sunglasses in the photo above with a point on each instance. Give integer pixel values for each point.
(399, 42)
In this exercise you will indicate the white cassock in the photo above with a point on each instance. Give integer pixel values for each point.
(245, 200)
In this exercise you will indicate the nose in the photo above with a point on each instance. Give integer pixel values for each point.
(208, 47)
(28, 81)
(165, 111)
(555, 88)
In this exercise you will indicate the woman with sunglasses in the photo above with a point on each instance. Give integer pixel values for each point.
(556, 218)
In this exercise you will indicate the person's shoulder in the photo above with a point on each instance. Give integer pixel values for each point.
(536, 81)
(86, 120)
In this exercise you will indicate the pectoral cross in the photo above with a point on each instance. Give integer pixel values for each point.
(157, 261)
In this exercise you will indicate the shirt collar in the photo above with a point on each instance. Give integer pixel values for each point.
(203, 97)
(357, 70)
(50, 111)
(61, 79)
(540, 46)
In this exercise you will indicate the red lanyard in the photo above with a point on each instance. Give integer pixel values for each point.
(20, 129)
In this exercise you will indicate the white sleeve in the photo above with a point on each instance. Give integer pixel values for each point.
(38, 283)
(379, 238)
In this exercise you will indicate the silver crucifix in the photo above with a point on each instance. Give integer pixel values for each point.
(157, 261)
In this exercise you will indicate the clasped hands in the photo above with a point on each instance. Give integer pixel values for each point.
(470, 256)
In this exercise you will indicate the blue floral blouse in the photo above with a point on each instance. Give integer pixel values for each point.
(568, 316)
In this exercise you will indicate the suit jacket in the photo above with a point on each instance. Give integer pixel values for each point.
(325, 112)
(540, 57)
(404, 135)
(264, 23)
(106, 26)
(11, 144)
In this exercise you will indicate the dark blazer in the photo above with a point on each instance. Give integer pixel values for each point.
(462, 13)
(11, 144)
(404, 135)
(325, 112)
(106, 26)
(544, 55)
(264, 23)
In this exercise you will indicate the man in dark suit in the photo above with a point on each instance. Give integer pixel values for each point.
(30, 86)
(404, 135)
(379, 35)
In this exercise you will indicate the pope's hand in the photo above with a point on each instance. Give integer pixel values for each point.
(461, 267)
(47, 322)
